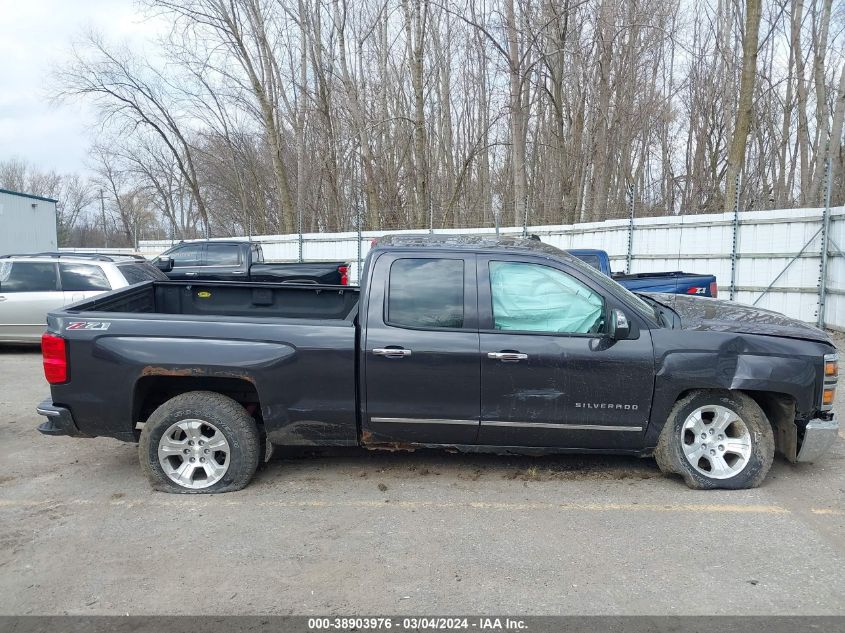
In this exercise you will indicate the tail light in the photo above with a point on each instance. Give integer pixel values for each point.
(54, 356)
(714, 289)
(344, 275)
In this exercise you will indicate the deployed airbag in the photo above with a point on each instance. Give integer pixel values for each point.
(536, 298)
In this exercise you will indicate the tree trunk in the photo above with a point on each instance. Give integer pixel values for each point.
(736, 156)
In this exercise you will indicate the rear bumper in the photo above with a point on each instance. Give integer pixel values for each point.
(59, 420)
(819, 435)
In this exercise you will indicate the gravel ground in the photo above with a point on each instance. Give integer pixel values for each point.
(353, 532)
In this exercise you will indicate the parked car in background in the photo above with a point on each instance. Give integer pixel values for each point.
(33, 285)
(239, 260)
(675, 282)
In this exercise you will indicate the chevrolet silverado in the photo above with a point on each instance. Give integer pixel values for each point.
(471, 343)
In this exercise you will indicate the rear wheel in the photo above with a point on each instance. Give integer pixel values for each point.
(717, 439)
(199, 442)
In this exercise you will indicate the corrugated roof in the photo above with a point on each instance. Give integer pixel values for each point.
(27, 195)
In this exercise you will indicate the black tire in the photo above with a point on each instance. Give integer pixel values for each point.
(229, 418)
(670, 452)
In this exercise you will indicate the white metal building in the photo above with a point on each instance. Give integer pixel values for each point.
(27, 223)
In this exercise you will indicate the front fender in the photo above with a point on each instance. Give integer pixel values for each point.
(739, 361)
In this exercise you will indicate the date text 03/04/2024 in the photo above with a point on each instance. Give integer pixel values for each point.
(417, 623)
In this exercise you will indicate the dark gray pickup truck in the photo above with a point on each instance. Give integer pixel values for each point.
(465, 342)
(239, 260)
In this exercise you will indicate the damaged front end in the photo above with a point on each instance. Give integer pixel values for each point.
(808, 440)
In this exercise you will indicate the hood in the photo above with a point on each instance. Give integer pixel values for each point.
(702, 313)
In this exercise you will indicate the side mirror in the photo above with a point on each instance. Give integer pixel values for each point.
(619, 328)
(164, 264)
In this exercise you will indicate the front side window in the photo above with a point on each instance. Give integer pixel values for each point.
(187, 256)
(83, 278)
(426, 293)
(222, 255)
(28, 277)
(535, 298)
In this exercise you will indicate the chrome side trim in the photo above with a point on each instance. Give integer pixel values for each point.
(424, 421)
(561, 427)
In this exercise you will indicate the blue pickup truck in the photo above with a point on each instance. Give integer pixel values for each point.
(676, 282)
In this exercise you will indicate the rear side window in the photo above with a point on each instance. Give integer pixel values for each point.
(83, 277)
(136, 273)
(257, 254)
(426, 293)
(187, 256)
(28, 277)
(222, 255)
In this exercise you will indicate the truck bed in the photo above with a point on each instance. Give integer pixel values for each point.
(290, 347)
(674, 282)
(228, 299)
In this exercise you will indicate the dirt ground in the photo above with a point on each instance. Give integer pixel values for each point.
(354, 532)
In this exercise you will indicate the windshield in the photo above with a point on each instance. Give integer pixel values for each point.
(606, 282)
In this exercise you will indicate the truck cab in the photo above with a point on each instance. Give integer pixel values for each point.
(498, 325)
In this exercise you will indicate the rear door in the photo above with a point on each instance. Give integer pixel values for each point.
(82, 281)
(550, 377)
(28, 291)
(224, 262)
(421, 363)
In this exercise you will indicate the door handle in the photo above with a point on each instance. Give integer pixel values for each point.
(2, 298)
(512, 356)
(191, 274)
(392, 352)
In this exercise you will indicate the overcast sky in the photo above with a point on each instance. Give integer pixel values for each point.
(35, 35)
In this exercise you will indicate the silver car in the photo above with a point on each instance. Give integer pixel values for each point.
(33, 285)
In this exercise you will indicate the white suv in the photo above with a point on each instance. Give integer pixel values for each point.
(33, 285)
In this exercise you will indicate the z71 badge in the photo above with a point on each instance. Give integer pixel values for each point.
(88, 325)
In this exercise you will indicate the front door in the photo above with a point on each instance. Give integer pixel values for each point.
(421, 357)
(549, 375)
(188, 261)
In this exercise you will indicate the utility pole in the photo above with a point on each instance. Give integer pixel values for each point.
(103, 216)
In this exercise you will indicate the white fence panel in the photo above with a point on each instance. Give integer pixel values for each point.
(768, 244)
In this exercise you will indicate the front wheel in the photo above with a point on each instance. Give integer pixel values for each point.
(199, 442)
(717, 439)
